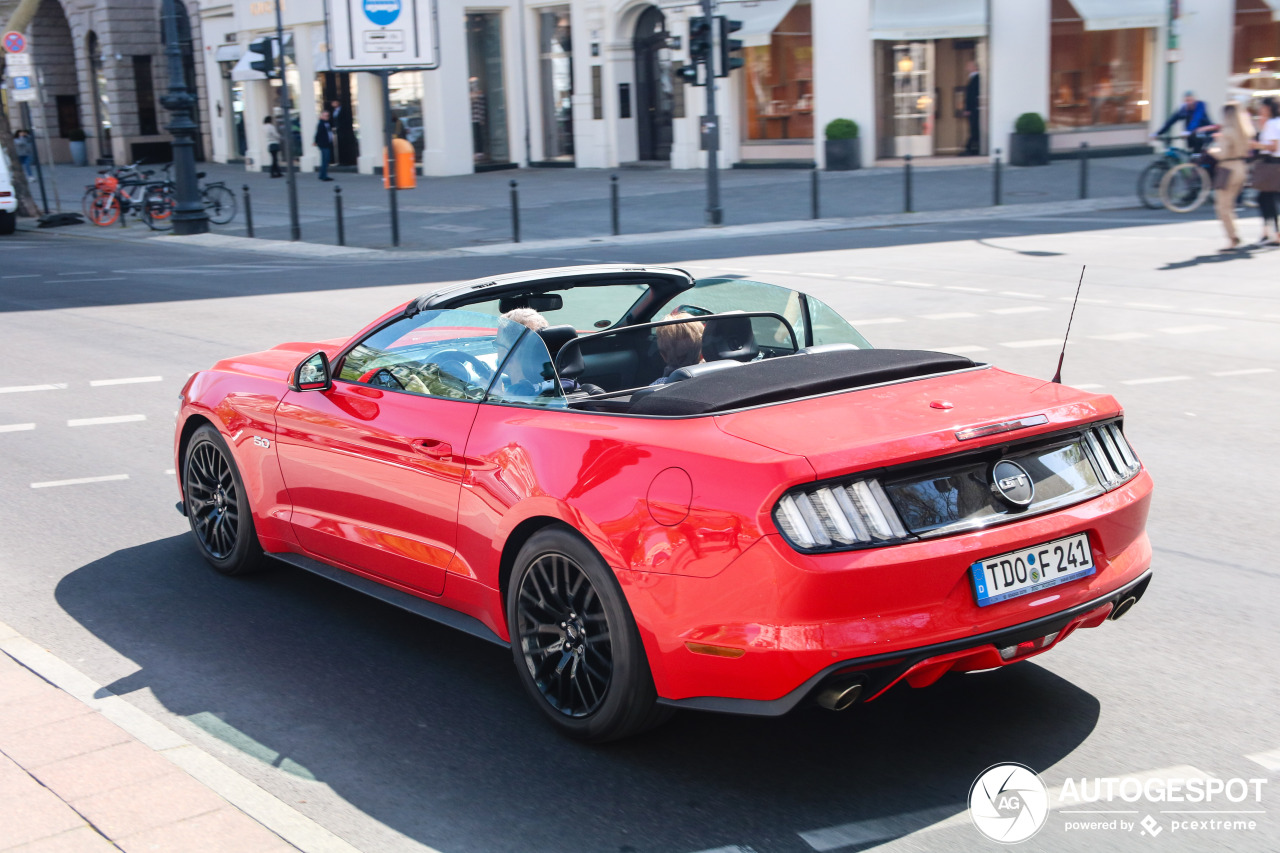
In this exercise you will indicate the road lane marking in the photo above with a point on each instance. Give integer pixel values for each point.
(1120, 336)
(16, 427)
(132, 380)
(1019, 309)
(114, 419)
(951, 315)
(1191, 330)
(1227, 311)
(169, 471)
(1269, 759)
(25, 275)
(1152, 305)
(1088, 387)
(1021, 294)
(862, 278)
(1154, 380)
(90, 272)
(961, 350)
(733, 848)
(914, 283)
(967, 289)
(1248, 371)
(79, 481)
(822, 274)
(1038, 342)
(877, 321)
(776, 272)
(13, 389)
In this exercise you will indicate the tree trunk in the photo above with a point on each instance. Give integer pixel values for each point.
(26, 202)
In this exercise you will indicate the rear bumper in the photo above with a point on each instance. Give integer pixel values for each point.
(925, 665)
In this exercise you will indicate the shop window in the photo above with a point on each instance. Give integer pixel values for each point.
(144, 90)
(1256, 42)
(487, 89)
(555, 46)
(778, 81)
(68, 114)
(1098, 77)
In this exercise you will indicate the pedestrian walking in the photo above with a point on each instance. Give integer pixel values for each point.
(1266, 171)
(273, 146)
(1233, 145)
(25, 149)
(972, 100)
(324, 142)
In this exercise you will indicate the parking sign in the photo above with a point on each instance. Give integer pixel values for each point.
(14, 42)
(372, 35)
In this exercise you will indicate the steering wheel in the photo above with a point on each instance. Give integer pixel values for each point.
(382, 378)
(483, 371)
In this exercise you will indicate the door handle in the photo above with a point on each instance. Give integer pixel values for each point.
(434, 448)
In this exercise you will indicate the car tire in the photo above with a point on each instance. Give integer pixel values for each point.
(8, 222)
(575, 643)
(217, 505)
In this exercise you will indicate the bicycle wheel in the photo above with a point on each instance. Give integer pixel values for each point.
(1149, 183)
(219, 203)
(157, 208)
(105, 209)
(1185, 188)
(87, 200)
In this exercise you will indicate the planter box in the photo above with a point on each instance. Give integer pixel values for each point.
(843, 154)
(1028, 149)
(79, 152)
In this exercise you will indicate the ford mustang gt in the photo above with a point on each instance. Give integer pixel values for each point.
(662, 493)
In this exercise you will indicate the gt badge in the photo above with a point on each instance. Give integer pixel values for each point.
(1011, 483)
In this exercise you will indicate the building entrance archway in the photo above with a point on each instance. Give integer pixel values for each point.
(655, 101)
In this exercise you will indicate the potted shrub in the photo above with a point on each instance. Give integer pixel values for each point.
(842, 148)
(79, 152)
(1029, 144)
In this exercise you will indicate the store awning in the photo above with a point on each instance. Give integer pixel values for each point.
(233, 52)
(759, 18)
(1121, 14)
(243, 71)
(916, 20)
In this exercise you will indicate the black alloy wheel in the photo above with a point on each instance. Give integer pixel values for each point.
(575, 643)
(216, 505)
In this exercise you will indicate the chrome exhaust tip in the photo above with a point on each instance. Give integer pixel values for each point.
(840, 695)
(1123, 607)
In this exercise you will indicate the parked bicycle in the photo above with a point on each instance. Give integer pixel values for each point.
(127, 191)
(218, 199)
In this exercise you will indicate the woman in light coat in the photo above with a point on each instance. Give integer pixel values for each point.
(273, 146)
(1234, 141)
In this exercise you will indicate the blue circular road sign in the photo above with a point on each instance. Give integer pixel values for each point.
(382, 12)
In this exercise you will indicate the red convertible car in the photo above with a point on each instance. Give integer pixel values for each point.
(782, 514)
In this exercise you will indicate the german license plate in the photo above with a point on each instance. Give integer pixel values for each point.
(1032, 569)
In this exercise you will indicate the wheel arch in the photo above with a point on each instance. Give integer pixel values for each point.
(189, 427)
(521, 534)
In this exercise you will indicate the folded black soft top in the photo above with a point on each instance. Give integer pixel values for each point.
(776, 380)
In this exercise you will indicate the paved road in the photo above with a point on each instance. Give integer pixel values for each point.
(397, 734)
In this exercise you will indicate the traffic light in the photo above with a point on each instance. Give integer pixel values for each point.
(700, 39)
(730, 49)
(688, 74)
(265, 48)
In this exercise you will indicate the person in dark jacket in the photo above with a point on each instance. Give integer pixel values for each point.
(1195, 116)
(972, 93)
(324, 141)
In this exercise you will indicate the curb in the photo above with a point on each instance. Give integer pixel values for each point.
(264, 807)
(728, 232)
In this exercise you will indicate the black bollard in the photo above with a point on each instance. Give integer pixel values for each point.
(613, 204)
(1084, 170)
(814, 212)
(248, 212)
(515, 213)
(996, 190)
(906, 183)
(337, 209)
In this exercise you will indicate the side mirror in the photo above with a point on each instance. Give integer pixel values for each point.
(312, 374)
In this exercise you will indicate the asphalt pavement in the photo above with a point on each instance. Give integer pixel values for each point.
(391, 733)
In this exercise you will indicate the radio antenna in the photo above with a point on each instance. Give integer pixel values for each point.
(1057, 377)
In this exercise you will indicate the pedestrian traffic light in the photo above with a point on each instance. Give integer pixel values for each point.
(688, 73)
(699, 39)
(265, 48)
(730, 49)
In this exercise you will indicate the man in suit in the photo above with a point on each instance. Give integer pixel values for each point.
(972, 91)
(324, 141)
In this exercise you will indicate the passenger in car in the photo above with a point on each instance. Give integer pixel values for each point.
(527, 379)
(679, 344)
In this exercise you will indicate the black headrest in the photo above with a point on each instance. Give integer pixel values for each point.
(557, 336)
(729, 337)
(569, 363)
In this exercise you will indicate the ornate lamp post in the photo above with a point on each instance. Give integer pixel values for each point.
(189, 215)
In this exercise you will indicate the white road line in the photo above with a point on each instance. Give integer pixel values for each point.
(1120, 336)
(1084, 300)
(733, 848)
(1191, 330)
(27, 275)
(132, 380)
(1248, 371)
(821, 274)
(1227, 311)
(13, 389)
(79, 481)
(1020, 309)
(862, 278)
(877, 321)
(1038, 342)
(961, 350)
(88, 272)
(1023, 295)
(170, 470)
(1269, 759)
(967, 289)
(1154, 380)
(114, 419)
(1152, 305)
(950, 315)
(776, 272)
(16, 427)
(914, 283)
(1088, 387)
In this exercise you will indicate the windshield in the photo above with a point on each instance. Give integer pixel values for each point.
(587, 309)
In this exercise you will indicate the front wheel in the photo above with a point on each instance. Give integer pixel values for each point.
(1185, 188)
(576, 647)
(1149, 184)
(218, 506)
(219, 203)
(105, 209)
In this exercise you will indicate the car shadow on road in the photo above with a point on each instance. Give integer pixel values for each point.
(426, 730)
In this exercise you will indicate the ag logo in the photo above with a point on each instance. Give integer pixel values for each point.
(382, 12)
(1008, 803)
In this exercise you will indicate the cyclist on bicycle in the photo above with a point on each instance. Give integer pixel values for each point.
(1195, 115)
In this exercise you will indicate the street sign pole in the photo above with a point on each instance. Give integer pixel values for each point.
(389, 167)
(711, 131)
(295, 230)
(35, 155)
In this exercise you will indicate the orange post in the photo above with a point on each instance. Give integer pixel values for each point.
(406, 168)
